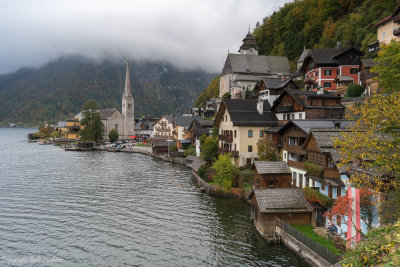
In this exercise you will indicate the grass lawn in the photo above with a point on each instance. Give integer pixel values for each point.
(142, 144)
(308, 231)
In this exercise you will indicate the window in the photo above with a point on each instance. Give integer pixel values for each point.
(292, 156)
(284, 155)
(327, 72)
(292, 141)
(315, 85)
(116, 127)
(383, 34)
(270, 183)
(353, 71)
(234, 132)
(316, 73)
(261, 133)
(250, 134)
(250, 149)
(339, 191)
(313, 102)
(327, 84)
(235, 147)
(300, 116)
(294, 178)
(338, 71)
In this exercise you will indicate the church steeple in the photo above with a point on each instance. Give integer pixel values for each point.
(249, 45)
(127, 89)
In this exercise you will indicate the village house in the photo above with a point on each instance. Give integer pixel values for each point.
(293, 137)
(144, 129)
(332, 69)
(241, 124)
(272, 174)
(287, 204)
(389, 27)
(197, 128)
(271, 88)
(295, 104)
(368, 79)
(112, 118)
(242, 72)
(164, 128)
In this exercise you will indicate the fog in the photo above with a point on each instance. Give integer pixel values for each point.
(188, 34)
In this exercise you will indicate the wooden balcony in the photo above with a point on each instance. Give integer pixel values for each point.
(310, 79)
(225, 138)
(224, 151)
(331, 173)
(396, 32)
(296, 164)
(296, 149)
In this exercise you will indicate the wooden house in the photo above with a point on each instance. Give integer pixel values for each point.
(197, 128)
(271, 88)
(368, 80)
(271, 174)
(287, 204)
(295, 104)
(328, 68)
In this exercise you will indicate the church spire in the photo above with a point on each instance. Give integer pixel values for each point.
(127, 89)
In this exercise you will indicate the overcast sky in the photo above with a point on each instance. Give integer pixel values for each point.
(187, 33)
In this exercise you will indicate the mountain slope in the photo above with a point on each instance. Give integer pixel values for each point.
(59, 88)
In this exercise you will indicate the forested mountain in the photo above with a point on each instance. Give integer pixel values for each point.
(59, 88)
(319, 24)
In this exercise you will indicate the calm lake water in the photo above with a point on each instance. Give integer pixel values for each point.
(117, 209)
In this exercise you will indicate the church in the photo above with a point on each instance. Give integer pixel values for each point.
(123, 122)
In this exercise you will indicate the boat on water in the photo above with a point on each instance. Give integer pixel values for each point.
(41, 142)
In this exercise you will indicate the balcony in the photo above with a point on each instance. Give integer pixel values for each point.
(396, 32)
(331, 173)
(296, 164)
(225, 138)
(296, 149)
(224, 151)
(310, 79)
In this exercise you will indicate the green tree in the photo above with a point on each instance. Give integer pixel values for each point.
(388, 67)
(354, 90)
(93, 127)
(226, 95)
(113, 135)
(224, 171)
(267, 151)
(209, 149)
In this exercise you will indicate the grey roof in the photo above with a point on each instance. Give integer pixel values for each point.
(251, 78)
(368, 62)
(307, 125)
(325, 138)
(255, 64)
(275, 83)
(202, 126)
(137, 125)
(271, 167)
(345, 78)
(243, 112)
(106, 113)
(303, 55)
(280, 200)
(61, 124)
(184, 120)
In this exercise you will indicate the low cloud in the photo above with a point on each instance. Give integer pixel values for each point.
(188, 34)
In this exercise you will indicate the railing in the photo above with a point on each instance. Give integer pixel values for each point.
(296, 164)
(162, 129)
(224, 150)
(331, 173)
(396, 32)
(308, 242)
(296, 149)
(225, 138)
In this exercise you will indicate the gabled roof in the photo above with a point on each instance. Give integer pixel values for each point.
(307, 125)
(276, 83)
(281, 200)
(325, 138)
(303, 55)
(106, 113)
(184, 120)
(201, 126)
(169, 118)
(243, 112)
(387, 18)
(272, 167)
(301, 96)
(255, 64)
(368, 62)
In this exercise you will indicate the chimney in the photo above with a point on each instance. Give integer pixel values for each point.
(260, 107)
(339, 45)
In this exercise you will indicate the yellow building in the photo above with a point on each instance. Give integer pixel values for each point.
(69, 129)
(389, 27)
(241, 124)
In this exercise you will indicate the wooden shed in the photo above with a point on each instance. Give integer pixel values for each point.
(287, 204)
(272, 174)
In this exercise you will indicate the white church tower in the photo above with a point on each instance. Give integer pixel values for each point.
(128, 106)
